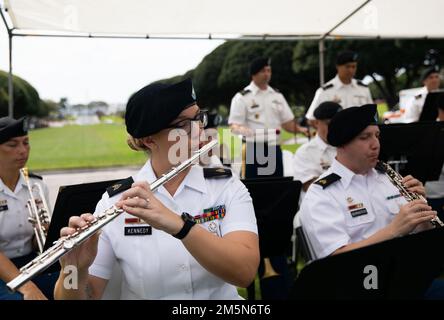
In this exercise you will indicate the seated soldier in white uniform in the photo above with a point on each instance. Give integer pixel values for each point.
(315, 157)
(353, 204)
(195, 237)
(431, 80)
(18, 244)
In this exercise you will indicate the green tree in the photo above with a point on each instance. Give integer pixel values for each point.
(392, 64)
(26, 98)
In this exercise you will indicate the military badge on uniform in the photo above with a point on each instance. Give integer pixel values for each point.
(394, 196)
(356, 209)
(138, 231)
(116, 186)
(328, 180)
(212, 227)
(3, 205)
(134, 220)
(215, 213)
(138, 227)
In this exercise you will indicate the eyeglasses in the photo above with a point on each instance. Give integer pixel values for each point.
(185, 124)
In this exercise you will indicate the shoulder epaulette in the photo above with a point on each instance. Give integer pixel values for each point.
(277, 90)
(362, 84)
(328, 180)
(418, 96)
(33, 175)
(120, 186)
(211, 173)
(245, 91)
(327, 86)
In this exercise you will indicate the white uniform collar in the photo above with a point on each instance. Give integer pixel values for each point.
(338, 83)
(320, 143)
(194, 179)
(345, 173)
(21, 183)
(255, 89)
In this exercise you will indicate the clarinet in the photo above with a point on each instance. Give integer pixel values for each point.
(396, 179)
(66, 244)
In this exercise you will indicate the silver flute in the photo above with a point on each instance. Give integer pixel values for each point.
(396, 179)
(66, 244)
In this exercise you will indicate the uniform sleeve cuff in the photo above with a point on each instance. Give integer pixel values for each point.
(333, 247)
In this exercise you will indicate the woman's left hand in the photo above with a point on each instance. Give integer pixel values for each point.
(414, 185)
(141, 202)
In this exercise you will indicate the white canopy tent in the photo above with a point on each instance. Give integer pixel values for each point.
(229, 19)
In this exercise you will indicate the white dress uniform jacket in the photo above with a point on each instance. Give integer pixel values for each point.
(415, 105)
(260, 109)
(16, 232)
(157, 266)
(337, 212)
(312, 159)
(347, 95)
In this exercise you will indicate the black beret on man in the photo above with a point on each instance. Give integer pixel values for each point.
(429, 71)
(346, 57)
(155, 106)
(11, 128)
(258, 64)
(326, 110)
(349, 123)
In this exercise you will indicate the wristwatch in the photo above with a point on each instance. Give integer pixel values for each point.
(189, 223)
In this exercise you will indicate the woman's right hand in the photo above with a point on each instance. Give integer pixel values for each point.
(83, 255)
(31, 292)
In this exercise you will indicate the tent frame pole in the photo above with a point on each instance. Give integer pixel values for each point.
(10, 82)
(325, 35)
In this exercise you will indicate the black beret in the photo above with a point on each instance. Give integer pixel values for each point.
(257, 65)
(155, 106)
(350, 122)
(11, 128)
(346, 57)
(429, 71)
(326, 110)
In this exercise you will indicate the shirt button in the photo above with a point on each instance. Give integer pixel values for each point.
(184, 267)
(20, 225)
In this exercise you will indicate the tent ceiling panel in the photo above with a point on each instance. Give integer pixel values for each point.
(383, 18)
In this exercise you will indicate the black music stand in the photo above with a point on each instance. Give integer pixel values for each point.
(420, 143)
(405, 269)
(275, 201)
(71, 201)
(433, 100)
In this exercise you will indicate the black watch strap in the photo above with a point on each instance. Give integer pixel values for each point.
(189, 223)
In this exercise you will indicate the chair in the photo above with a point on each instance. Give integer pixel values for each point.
(275, 201)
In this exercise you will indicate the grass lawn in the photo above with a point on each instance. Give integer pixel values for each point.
(102, 145)
(94, 146)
